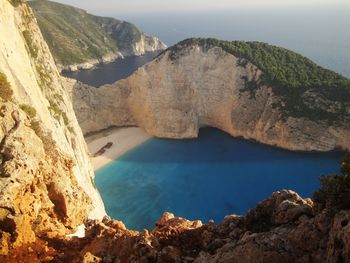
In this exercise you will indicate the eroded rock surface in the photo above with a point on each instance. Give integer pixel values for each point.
(282, 228)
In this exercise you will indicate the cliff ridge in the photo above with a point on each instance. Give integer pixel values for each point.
(79, 40)
(199, 83)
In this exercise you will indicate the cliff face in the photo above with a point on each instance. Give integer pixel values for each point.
(129, 39)
(79, 40)
(178, 93)
(45, 175)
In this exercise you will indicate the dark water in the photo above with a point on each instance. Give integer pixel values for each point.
(205, 178)
(111, 72)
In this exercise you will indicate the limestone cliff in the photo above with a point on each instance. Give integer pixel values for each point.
(46, 179)
(79, 40)
(195, 85)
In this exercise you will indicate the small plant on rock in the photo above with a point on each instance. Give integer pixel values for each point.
(5, 88)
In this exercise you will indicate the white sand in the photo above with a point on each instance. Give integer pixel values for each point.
(123, 140)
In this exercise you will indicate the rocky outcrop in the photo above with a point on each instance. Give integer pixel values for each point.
(178, 93)
(45, 175)
(282, 228)
(79, 40)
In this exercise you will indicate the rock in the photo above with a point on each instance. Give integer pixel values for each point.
(170, 254)
(203, 87)
(45, 172)
(89, 258)
(169, 221)
(291, 209)
(164, 219)
(339, 242)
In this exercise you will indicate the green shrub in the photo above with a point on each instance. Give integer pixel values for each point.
(58, 113)
(65, 119)
(334, 194)
(31, 112)
(5, 88)
(55, 109)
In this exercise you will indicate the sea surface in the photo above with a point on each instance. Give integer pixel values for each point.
(109, 73)
(205, 178)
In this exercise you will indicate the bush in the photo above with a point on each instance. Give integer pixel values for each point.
(55, 109)
(334, 194)
(31, 112)
(5, 88)
(58, 113)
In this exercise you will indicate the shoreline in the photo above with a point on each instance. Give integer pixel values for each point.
(93, 63)
(122, 139)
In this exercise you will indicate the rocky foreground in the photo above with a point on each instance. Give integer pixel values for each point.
(283, 228)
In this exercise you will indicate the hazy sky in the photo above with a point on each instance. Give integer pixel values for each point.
(141, 6)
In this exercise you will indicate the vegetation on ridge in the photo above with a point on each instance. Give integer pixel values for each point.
(29, 110)
(74, 36)
(288, 73)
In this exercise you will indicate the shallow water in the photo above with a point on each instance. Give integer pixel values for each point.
(205, 178)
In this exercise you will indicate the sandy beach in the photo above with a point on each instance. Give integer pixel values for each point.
(123, 140)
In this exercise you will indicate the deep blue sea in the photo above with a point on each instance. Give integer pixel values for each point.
(205, 178)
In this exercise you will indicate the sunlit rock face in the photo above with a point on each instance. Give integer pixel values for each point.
(45, 174)
(175, 95)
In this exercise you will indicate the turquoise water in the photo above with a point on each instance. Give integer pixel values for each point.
(205, 178)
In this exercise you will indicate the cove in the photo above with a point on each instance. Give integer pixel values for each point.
(205, 178)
